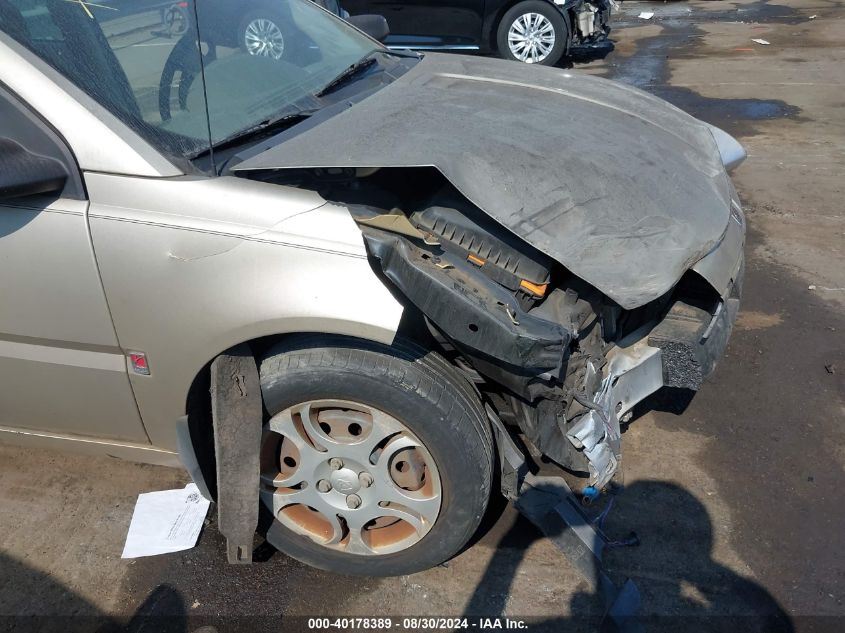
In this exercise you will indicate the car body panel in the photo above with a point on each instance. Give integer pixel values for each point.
(427, 23)
(60, 361)
(721, 266)
(282, 260)
(94, 446)
(216, 262)
(588, 171)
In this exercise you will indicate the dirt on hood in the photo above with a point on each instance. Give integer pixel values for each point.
(620, 187)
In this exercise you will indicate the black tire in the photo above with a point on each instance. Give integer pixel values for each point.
(430, 397)
(547, 10)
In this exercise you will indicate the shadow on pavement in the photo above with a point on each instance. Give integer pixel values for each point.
(682, 587)
(587, 54)
(41, 604)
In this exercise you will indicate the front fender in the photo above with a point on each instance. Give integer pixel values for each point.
(183, 294)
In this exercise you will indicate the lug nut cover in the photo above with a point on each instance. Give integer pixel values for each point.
(353, 501)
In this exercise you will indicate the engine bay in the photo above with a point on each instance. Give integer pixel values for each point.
(534, 338)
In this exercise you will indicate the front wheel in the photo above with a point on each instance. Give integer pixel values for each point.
(376, 460)
(534, 32)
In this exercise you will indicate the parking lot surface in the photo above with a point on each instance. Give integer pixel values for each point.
(737, 496)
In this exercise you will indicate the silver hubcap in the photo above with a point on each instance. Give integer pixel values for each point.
(349, 476)
(531, 38)
(262, 37)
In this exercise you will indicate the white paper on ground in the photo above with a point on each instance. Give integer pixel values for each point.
(759, 41)
(646, 15)
(166, 521)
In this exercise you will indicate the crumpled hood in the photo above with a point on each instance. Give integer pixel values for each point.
(620, 187)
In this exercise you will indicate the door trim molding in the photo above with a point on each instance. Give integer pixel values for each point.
(103, 361)
(435, 47)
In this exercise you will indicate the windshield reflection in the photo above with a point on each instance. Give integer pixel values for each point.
(184, 75)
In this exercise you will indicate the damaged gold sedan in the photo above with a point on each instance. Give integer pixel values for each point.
(345, 282)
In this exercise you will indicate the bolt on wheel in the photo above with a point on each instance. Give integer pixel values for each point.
(349, 476)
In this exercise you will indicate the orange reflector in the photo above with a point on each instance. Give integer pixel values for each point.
(535, 289)
(475, 259)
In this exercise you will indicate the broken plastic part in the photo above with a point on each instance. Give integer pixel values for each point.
(550, 504)
(394, 222)
(473, 312)
(587, 432)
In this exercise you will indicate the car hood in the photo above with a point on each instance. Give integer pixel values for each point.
(620, 187)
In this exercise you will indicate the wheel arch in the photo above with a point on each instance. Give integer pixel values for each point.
(260, 342)
(195, 435)
(166, 394)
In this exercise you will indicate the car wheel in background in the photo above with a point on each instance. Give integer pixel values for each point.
(377, 460)
(534, 32)
(261, 34)
(175, 19)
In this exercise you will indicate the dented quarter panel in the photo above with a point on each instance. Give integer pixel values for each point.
(620, 187)
(219, 262)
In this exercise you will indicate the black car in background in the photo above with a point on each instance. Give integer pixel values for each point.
(260, 32)
(532, 31)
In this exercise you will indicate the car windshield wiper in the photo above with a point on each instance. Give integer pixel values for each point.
(264, 127)
(359, 66)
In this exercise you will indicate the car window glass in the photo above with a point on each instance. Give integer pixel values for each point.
(115, 50)
(280, 53)
(185, 76)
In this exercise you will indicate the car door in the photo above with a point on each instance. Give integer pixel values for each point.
(427, 24)
(61, 366)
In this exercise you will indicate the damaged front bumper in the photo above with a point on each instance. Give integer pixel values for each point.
(569, 407)
(680, 351)
(591, 21)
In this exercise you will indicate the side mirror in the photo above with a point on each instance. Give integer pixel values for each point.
(373, 25)
(23, 173)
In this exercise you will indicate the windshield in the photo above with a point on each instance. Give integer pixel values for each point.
(188, 76)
